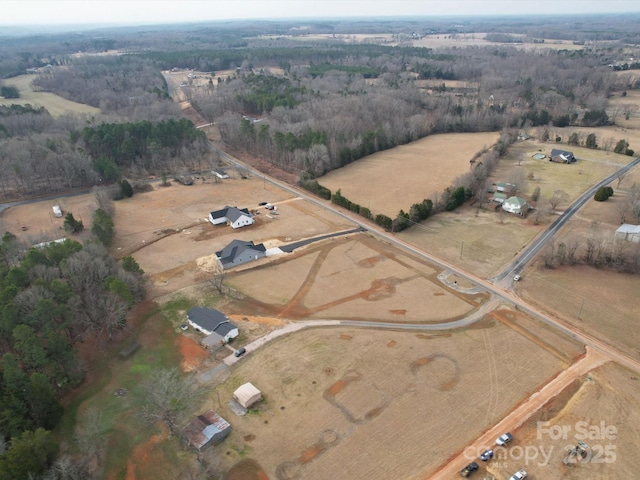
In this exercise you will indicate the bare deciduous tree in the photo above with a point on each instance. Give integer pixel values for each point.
(559, 197)
(169, 396)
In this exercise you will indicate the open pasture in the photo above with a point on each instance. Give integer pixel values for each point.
(395, 179)
(591, 167)
(348, 403)
(54, 104)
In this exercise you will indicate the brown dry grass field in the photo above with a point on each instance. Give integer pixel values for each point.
(480, 241)
(608, 394)
(55, 104)
(349, 403)
(388, 181)
(357, 278)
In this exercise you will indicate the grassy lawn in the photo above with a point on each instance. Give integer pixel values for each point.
(132, 445)
(55, 104)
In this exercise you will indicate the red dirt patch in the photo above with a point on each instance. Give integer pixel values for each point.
(247, 469)
(192, 353)
(345, 337)
(337, 387)
(141, 457)
(309, 454)
(401, 311)
(392, 343)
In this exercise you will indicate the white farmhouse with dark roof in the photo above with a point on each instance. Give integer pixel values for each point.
(212, 323)
(234, 216)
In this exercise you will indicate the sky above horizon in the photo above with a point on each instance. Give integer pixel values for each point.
(138, 12)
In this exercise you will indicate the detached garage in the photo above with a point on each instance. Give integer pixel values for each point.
(247, 395)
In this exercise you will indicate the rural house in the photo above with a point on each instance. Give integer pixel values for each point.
(247, 394)
(239, 252)
(517, 205)
(233, 216)
(206, 429)
(212, 323)
(628, 232)
(561, 156)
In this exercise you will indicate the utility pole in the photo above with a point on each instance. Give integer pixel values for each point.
(580, 312)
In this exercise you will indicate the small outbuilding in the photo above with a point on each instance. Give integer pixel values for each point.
(220, 173)
(206, 429)
(247, 394)
(628, 232)
(505, 187)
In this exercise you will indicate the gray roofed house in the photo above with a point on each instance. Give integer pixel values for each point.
(561, 156)
(213, 323)
(234, 216)
(208, 428)
(239, 252)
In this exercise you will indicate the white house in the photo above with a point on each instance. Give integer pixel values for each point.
(517, 205)
(629, 232)
(233, 216)
(212, 323)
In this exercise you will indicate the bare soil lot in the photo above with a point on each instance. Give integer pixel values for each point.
(55, 104)
(369, 404)
(388, 181)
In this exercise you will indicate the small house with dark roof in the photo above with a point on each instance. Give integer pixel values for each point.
(561, 156)
(212, 323)
(239, 252)
(206, 429)
(233, 216)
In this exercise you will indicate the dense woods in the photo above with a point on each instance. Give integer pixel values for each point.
(320, 116)
(51, 299)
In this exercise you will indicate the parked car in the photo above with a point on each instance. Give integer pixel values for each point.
(184, 327)
(517, 278)
(262, 204)
(469, 469)
(502, 440)
(240, 352)
(519, 475)
(486, 455)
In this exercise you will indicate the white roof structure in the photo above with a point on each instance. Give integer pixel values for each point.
(629, 232)
(247, 394)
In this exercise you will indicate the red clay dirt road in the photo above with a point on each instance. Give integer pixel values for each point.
(591, 360)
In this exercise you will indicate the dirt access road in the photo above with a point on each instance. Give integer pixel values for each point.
(590, 361)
